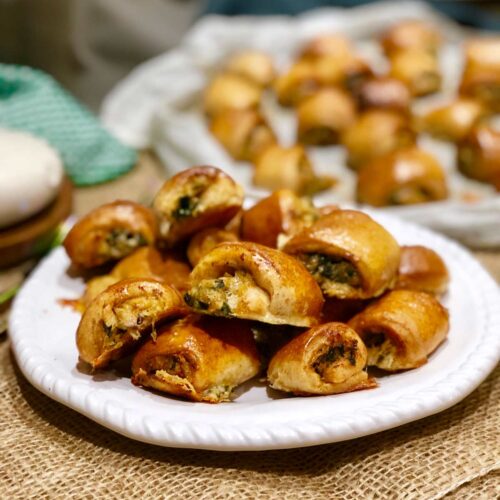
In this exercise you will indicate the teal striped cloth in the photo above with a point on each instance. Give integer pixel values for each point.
(32, 101)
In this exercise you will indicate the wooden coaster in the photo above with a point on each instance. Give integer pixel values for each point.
(26, 239)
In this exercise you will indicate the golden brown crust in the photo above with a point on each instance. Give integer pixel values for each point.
(453, 121)
(328, 45)
(401, 329)
(288, 168)
(199, 358)
(251, 281)
(244, 133)
(300, 81)
(109, 233)
(350, 255)
(253, 65)
(384, 92)
(411, 34)
(230, 91)
(194, 199)
(322, 117)
(376, 133)
(327, 359)
(117, 318)
(404, 177)
(205, 241)
(478, 155)
(282, 212)
(422, 269)
(417, 69)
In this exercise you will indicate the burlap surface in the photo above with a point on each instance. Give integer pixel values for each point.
(50, 451)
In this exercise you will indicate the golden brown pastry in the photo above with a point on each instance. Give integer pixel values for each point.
(110, 232)
(348, 73)
(401, 329)
(411, 34)
(198, 358)
(327, 359)
(288, 168)
(422, 269)
(328, 45)
(323, 116)
(404, 177)
(478, 155)
(230, 91)
(256, 66)
(349, 254)
(194, 199)
(481, 78)
(376, 133)
(282, 212)
(251, 281)
(205, 241)
(417, 69)
(453, 121)
(244, 133)
(384, 92)
(300, 81)
(116, 320)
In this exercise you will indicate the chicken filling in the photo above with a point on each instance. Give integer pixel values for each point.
(381, 350)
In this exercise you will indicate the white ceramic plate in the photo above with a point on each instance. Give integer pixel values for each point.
(43, 340)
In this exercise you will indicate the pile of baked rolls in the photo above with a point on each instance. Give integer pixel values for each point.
(206, 295)
(339, 100)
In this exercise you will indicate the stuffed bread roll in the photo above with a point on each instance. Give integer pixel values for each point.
(327, 359)
(422, 269)
(375, 133)
(349, 254)
(384, 92)
(198, 358)
(253, 65)
(323, 116)
(288, 168)
(251, 281)
(110, 232)
(244, 133)
(401, 329)
(453, 121)
(328, 45)
(478, 155)
(117, 318)
(300, 81)
(194, 199)
(347, 73)
(411, 34)
(417, 69)
(205, 241)
(404, 177)
(230, 91)
(281, 213)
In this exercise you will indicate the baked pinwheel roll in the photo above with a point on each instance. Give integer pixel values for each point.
(478, 155)
(288, 168)
(417, 69)
(300, 81)
(328, 45)
(205, 241)
(230, 91)
(327, 359)
(348, 73)
(110, 232)
(322, 117)
(194, 199)
(453, 121)
(281, 213)
(253, 65)
(384, 92)
(244, 134)
(411, 34)
(251, 281)
(404, 177)
(349, 254)
(116, 320)
(198, 358)
(401, 329)
(376, 133)
(422, 269)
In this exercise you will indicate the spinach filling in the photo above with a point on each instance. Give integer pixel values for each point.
(185, 207)
(331, 268)
(195, 303)
(333, 354)
(122, 241)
